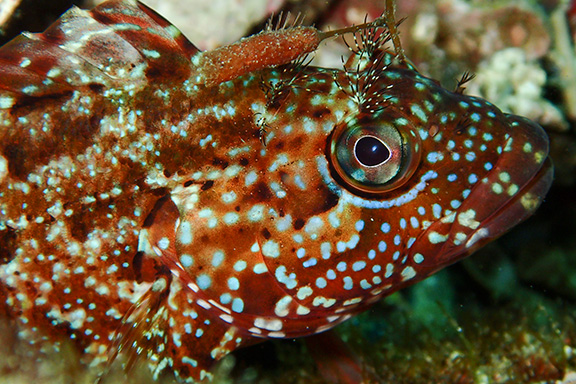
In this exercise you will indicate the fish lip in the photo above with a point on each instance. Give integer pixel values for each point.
(485, 214)
(532, 176)
(529, 197)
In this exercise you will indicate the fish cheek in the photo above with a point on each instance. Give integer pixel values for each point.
(314, 200)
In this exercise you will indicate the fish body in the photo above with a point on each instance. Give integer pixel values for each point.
(155, 202)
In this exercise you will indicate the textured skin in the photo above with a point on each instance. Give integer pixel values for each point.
(147, 211)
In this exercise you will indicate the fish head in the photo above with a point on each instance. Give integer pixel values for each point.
(339, 200)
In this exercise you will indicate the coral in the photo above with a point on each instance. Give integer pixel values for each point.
(514, 82)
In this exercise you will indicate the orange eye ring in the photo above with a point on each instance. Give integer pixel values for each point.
(375, 156)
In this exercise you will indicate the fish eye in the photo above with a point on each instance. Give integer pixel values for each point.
(371, 151)
(374, 157)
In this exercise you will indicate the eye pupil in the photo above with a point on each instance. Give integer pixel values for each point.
(370, 151)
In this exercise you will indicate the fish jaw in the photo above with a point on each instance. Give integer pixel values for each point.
(509, 194)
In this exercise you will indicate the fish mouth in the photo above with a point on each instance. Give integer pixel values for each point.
(507, 195)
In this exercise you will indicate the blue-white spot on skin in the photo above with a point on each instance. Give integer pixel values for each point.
(237, 305)
(358, 266)
(333, 219)
(452, 177)
(365, 284)
(341, 266)
(284, 223)
(423, 134)
(401, 121)
(396, 255)
(382, 246)
(437, 211)
(282, 277)
(240, 265)
(472, 178)
(371, 254)
(205, 141)
(203, 281)
(186, 260)
(359, 225)
(455, 156)
(233, 283)
(250, 178)
(468, 143)
(414, 222)
(328, 126)
(465, 193)
(421, 210)
(321, 282)
(428, 105)
(455, 204)
(299, 182)
(199, 332)
(225, 298)
(434, 157)
(475, 117)
(470, 156)
(316, 100)
(488, 166)
(389, 270)
(403, 223)
(418, 112)
(310, 263)
(314, 224)
(308, 125)
(326, 250)
(385, 228)
(217, 258)
(397, 240)
(330, 274)
(348, 283)
(376, 268)
(300, 253)
(353, 242)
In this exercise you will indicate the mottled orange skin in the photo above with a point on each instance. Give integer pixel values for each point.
(151, 205)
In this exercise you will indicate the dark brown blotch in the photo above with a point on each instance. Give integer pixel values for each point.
(9, 243)
(320, 112)
(266, 233)
(299, 223)
(218, 162)
(207, 185)
(80, 224)
(262, 192)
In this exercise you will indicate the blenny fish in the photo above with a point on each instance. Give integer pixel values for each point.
(172, 205)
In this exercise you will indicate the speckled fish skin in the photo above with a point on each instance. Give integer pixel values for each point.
(148, 212)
